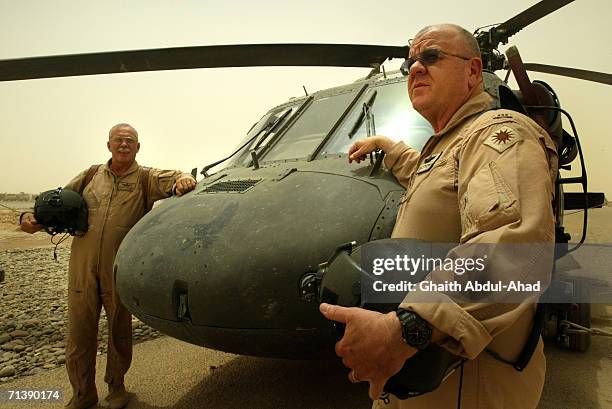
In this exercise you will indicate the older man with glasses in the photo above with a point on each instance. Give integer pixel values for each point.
(118, 193)
(485, 176)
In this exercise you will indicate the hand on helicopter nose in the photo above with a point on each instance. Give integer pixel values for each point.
(184, 185)
(358, 151)
(372, 345)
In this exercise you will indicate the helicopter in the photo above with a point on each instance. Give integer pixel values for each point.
(227, 277)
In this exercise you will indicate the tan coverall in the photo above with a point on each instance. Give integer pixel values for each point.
(115, 204)
(491, 183)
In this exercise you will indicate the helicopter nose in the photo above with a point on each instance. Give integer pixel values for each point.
(222, 269)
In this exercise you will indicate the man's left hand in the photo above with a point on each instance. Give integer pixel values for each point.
(184, 185)
(372, 345)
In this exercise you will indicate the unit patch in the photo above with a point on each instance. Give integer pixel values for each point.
(428, 163)
(502, 115)
(502, 138)
(126, 187)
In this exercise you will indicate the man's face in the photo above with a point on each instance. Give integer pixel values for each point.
(441, 88)
(123, 145)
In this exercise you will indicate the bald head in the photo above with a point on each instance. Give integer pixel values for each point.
(466, 42)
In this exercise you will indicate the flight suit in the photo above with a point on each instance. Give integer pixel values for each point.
(487, 177)
(115, 204)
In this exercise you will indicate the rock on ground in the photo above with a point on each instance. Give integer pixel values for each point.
(33, 312)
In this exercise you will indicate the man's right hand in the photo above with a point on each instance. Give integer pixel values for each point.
(372, 345)
(358, 151)
(29, 223)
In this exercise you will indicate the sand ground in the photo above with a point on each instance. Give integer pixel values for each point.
(11, 237)
(167, 373)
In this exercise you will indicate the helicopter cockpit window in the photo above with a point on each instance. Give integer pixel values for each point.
(263, 132)
(391, 115)
(311, 127)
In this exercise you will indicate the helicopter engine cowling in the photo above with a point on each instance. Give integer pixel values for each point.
(220, 267)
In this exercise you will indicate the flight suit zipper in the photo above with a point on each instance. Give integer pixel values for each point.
(108, 205)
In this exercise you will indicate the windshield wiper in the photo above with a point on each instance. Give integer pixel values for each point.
(274, 127)
(366, 113)
(271, 125)
(258, 148)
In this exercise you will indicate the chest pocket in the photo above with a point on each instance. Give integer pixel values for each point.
(92, 200)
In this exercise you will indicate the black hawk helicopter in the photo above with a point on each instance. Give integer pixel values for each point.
(224, 266)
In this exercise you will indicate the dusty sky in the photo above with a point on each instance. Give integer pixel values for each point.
(53, 128)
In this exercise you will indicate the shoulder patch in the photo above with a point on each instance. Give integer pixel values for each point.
(502, 138)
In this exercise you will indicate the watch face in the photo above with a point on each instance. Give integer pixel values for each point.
(418, 335)
(416, 331)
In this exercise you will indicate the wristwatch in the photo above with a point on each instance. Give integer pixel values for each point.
(415, 330)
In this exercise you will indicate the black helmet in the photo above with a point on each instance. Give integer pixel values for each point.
(346, 279)
(61, 210)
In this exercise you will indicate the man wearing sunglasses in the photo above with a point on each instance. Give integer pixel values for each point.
(485, 176)
(118, 193)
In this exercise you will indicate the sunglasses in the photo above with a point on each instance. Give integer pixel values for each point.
(427, 57)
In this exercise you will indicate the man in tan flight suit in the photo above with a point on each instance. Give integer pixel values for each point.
(115, 201)
(485, 176)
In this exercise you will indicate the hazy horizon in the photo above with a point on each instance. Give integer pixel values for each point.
(52, 129)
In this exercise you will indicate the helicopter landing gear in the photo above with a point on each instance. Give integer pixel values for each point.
(578, 339)
(570, 324)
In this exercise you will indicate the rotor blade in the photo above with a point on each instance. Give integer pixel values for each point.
(571, 72)
(337, 55)
(533, 13)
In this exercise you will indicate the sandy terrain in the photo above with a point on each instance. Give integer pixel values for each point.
(11, 237)
(171, 374)
(599, 225)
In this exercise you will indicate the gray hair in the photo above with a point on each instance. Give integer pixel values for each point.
(119, 126)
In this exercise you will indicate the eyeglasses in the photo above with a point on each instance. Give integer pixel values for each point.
(427, 57)
(127, 139)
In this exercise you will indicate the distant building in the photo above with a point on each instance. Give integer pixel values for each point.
(18, 197)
